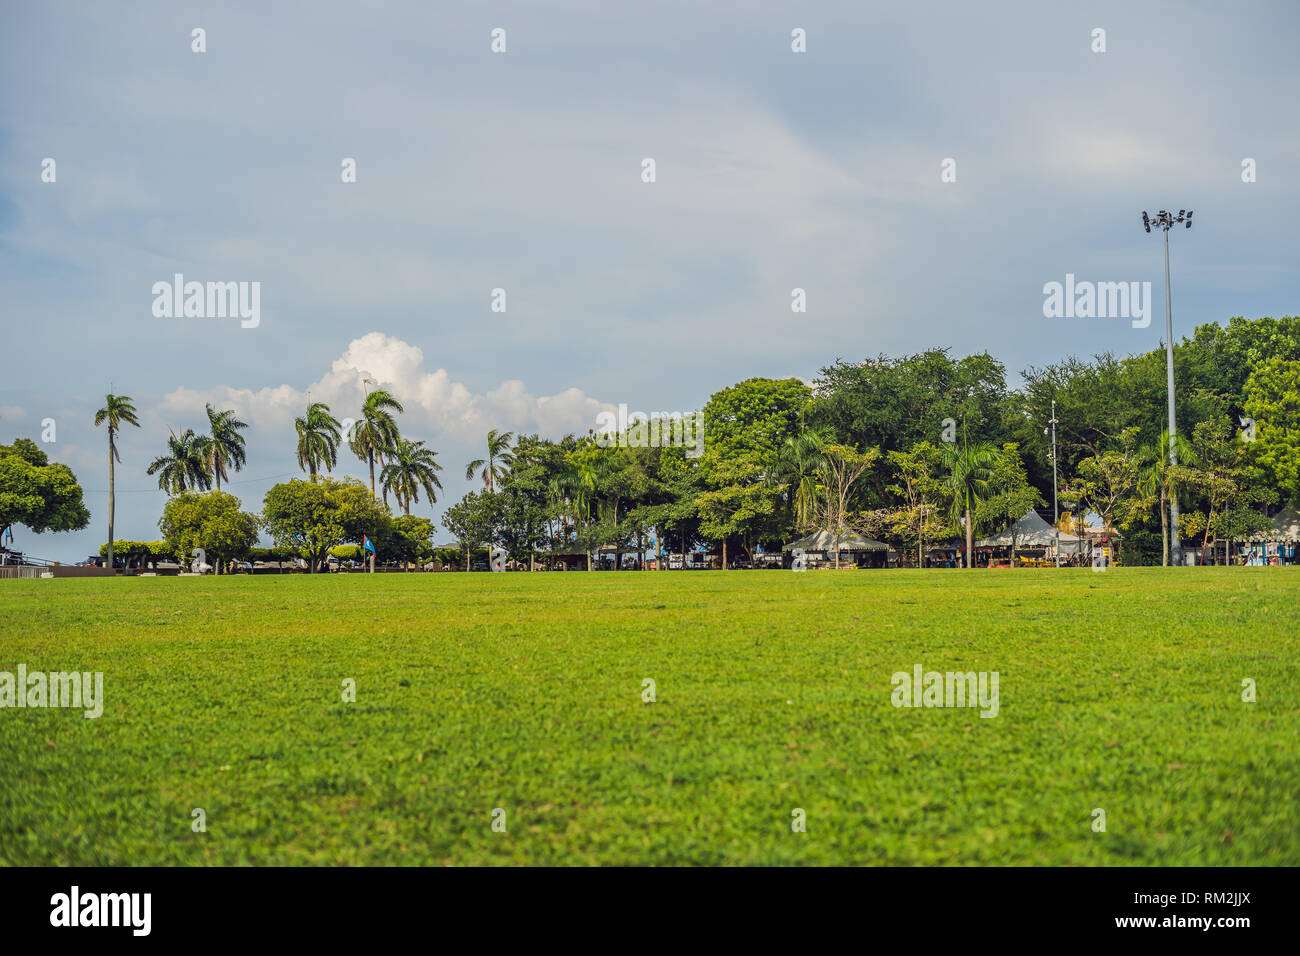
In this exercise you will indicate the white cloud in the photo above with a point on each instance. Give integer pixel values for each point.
(431, 398)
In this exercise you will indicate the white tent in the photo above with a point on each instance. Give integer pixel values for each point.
(1284, 527)
(824, 541)
(1031, 531)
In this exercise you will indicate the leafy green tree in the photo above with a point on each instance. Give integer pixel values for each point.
(211, 521)
(36, 493)
(745, 427)
(473, 521)
(577, 485)
(1272, 399)
(318, 439)
(919, 490)
(410, 540)
(838, 472)
(738, 502)
(1010, 496)
(117, 411)
(499, 459)
(678, 518)
(893, 403)
(185, 466)
(526, 500)
(411, 467)
(1223, 357)
(798, 464)
(225, 444)
(1231, 489)
(312, 517)
(376, 430)
(969, 472)
(1159, 481)
(1108, 482)
(139, 552)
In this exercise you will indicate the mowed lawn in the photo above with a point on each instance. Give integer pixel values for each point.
(1119, 690)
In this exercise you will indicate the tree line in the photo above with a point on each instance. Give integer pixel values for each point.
(911, 450)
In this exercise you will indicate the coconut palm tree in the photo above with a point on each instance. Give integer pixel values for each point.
(969, 469)
(117, 411)
(575, 487)
(376, 430)
(185, 466)
(799, 461)
(1159, 481)
(498, 460)
(318, 439)
(225, 444)
(410, 467)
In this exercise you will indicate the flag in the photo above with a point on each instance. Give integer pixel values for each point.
(366, 545)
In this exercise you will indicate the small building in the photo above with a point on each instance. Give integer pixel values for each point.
(1030, 534)
(854, 550)
(1278, 543)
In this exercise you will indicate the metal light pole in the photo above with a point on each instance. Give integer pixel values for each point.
(1056, 516)
(1166, 221)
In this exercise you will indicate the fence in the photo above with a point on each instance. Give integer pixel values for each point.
(22, 571)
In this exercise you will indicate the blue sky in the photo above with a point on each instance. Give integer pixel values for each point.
(522, 171)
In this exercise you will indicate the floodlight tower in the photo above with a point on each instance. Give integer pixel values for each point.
(1056, 514)
(1165, 221)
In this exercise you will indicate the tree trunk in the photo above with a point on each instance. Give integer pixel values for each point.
(724, 554)
(110, 498)
(970, 543)
(1164, 533)
(371, 455)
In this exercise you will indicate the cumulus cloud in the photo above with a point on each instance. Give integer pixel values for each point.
(432, 399)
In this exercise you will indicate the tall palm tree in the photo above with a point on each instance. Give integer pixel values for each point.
(117, 411)
(799, 460)
(318, 439)
(185, 466)
(575, 486)
(969, 469)
(376, 430)
(498, 460)
(225, 444)
(1159, 481)
(411, 467)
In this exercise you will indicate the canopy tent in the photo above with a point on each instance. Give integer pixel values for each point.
(1031, 531)
(825, 541)
(1285, 526)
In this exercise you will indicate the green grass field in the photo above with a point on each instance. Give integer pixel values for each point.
(1120, 691)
